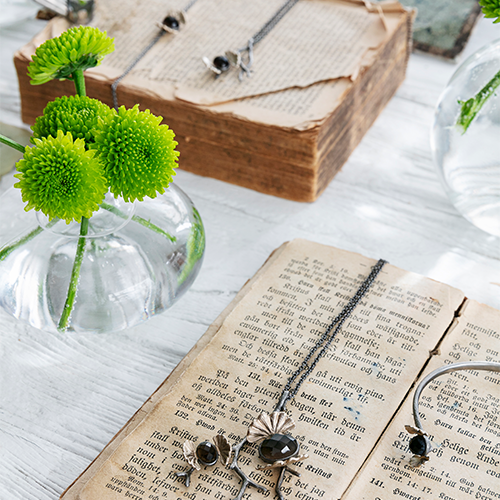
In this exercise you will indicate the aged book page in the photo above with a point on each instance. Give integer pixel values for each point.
(320, 47)
(340, 410)
(461, 413)
(317, 40)
(73, 491)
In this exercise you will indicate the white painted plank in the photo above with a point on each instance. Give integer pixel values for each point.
(63, 397)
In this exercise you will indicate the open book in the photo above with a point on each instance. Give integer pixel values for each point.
(351, 410)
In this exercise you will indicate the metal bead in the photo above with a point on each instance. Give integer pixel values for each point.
(171, 22)
(221, 63)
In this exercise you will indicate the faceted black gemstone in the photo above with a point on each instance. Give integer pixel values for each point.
(206, 453)
(418, 445)
(171, 22)
(278, 447)
(221, 63)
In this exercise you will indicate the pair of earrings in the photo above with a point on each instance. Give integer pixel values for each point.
(277, 448)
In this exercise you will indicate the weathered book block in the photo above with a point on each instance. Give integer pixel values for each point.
(288, 129)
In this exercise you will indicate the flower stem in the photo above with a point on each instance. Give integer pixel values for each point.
(75, 276)
(11, 143)
(79, 80)
(5, 251)
(153, 227)
(470, 108)
(195, 246)
(140, 220)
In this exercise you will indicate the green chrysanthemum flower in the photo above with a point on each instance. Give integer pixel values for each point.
(75, 49)
(138, 154)
(60, 178)
(491, 9)
(76, 114)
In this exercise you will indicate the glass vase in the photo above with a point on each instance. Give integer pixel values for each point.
(469, 163)
(137, 260)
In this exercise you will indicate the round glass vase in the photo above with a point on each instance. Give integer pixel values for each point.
(469, 162)
(136, 261)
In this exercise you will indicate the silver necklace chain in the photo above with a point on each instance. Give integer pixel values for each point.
(131, 66)
(244, 66)
(265, 420)
(223, 63)
(280, 13)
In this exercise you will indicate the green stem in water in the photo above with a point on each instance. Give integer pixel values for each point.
(195, 246)
(79, 80)
(75, 276)
(470, 108)
(140, 220)
(5, 251)
(11, 143)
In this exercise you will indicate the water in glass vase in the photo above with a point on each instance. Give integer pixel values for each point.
(469, 163)
(138, 260)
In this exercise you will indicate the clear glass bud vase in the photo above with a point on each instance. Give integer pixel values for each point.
(469, 163)
(138, 259)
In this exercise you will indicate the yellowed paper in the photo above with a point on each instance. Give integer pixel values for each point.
(461, 413)
(316, 41)
(320, 46)
(339, 411)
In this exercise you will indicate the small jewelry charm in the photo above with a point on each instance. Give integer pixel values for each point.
(419, 445)
(172, 22)
(268, 26)
(277, 448)
(221, 64)
(206, 453)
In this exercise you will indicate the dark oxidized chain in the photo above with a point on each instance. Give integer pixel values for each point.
(305, 369)
(302, 372)
(277, 448)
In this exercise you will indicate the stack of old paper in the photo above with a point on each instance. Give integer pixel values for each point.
(319, 79)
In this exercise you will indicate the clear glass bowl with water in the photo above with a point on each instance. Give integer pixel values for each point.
(469, 163)
(138, 259)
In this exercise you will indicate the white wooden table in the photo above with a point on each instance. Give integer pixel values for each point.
(63, 397)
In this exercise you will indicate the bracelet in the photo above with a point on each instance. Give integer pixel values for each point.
(420, 444)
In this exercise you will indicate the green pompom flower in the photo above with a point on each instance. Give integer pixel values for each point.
(76, 114)
(138, 154)
(60, 178)
(76, 49)
(491, 9)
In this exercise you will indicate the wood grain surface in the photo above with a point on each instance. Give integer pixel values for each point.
(63, 397)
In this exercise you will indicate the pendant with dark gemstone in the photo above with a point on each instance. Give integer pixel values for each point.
(278, 447)
(206, 453)
(418, 445)
(171, 22)
(221, 63)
